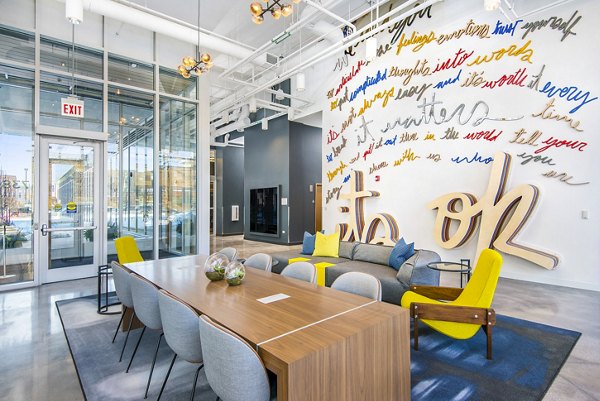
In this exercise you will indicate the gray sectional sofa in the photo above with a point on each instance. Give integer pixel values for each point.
(373, 259)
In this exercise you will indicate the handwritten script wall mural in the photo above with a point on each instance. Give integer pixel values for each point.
(455, 97)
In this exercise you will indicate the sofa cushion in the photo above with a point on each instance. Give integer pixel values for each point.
(372, 253)
(346, 249)
(327, 245)
(401, 253)
(391, 289)
(308, 243)
(415, 270)
(283, 258)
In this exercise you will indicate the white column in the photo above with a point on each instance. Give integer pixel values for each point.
(203, 166)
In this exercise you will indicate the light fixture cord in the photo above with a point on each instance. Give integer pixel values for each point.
(198, 30)
(73, 60)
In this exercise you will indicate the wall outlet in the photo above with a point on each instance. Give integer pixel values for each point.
(310, 188)
(585, 214)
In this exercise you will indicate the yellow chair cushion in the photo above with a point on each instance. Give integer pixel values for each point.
(479, 292)
(294, 260)
(127, 250)
(327, 245)
(321, 266)
(460, 331)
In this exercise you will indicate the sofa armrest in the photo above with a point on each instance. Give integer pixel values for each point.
(415, 270)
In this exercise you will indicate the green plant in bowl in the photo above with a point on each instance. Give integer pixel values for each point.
(215, 266)
(235, 273)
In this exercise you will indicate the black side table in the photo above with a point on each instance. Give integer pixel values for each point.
(104, 301)
(463, 267)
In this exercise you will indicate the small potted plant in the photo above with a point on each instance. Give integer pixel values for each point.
(235, 273)
(215, 265)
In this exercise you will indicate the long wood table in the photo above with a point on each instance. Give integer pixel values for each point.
(321, 343)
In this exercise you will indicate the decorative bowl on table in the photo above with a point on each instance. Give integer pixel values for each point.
(235, 273)
(215, 266)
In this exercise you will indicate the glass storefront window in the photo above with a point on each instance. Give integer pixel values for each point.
(130, 72)
(177, 160)
(16, 45)
(55, 87)
(58, 55)
(130, 186)
(16, 172)
(172, 83)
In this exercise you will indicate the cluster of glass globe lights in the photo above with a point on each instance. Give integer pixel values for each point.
(218, 267)
(276, 8)
(198, 66)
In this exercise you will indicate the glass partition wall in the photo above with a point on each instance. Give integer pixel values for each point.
(149, 113)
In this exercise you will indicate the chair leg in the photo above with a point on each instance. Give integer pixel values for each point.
(127, 336)
(166, 378)
(119, 325)
(488, 332)
(196, 381)
(416, 334)
(153, 363)
(135, 349)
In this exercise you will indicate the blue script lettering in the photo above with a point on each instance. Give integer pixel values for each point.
(329, 157)
(502, 29)
(391, 141)
(572, 93)
(473, 159)
(369, 81)
(449, 81)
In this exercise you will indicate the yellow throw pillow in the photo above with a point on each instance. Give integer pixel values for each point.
(327, 245)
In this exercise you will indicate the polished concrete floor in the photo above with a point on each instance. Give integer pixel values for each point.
(35, 363)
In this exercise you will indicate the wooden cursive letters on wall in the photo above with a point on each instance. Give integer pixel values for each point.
(502, 216)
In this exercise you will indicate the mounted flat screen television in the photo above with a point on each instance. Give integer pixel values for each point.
(264, 208)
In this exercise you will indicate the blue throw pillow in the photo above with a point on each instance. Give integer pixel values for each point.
(308, 244)
(401, 253)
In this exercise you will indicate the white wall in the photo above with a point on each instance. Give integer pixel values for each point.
(556, 225)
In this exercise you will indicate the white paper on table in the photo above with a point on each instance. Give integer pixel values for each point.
(272, 298)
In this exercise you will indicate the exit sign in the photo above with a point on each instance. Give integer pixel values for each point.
(71, 107)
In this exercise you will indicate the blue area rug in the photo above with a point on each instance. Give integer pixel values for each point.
(103, 378)
(527, 358)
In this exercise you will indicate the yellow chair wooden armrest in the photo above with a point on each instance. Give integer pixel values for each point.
(439, 293)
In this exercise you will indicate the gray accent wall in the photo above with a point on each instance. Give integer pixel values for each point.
(305, 170)
(230, 189)
(266, 164)
(288, 156)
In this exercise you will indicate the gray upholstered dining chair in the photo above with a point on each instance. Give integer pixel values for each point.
(180, 325)
(233, 369)
(359, 283)
(230, 252)
(123, 288)
(302, 271)
(260, 261)
(145, 302)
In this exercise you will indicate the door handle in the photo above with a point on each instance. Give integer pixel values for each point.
(45, 230)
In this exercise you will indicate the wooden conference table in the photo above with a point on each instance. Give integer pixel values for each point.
(323, 344)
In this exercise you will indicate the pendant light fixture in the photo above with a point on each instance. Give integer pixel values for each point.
(277, 8)
(371, 43)
(74, 11)
(204, 64)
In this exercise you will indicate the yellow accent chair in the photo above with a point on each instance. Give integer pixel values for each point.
(127, 250)
(456, 312)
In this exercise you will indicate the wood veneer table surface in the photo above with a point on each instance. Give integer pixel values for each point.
(321, 343)
(237, 307)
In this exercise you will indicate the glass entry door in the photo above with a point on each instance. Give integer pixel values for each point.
(70, 198)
